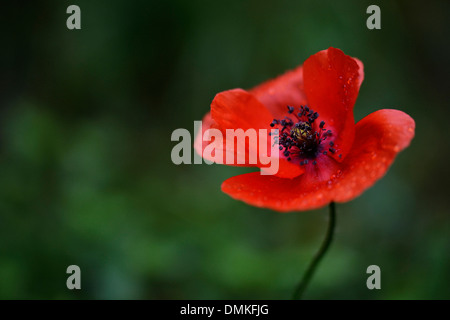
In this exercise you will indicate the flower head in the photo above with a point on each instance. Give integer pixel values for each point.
(324, 156)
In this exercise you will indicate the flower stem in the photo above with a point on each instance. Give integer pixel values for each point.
(319, 255)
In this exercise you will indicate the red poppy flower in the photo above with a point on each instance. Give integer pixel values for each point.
(324, 155)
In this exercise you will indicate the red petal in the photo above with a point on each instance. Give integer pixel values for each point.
(226, 105)
(278, 93)
(274, 193)
(332, 80)
(379, 137)
(238, 109)
(360, 71)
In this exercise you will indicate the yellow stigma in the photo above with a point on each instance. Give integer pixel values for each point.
(301, 133)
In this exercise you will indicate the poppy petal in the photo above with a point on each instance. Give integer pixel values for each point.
(277, 94)
(331, 81)
(379, 138)
(205, 137)
(360, 71)
(238, 109)
(274, 193)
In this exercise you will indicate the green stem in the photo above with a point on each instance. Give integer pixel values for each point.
(319, 255)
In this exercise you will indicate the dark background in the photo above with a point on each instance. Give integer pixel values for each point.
(86, 177)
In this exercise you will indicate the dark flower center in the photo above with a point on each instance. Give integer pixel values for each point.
(302, 138)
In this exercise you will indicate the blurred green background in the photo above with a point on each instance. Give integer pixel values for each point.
(86, 175)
